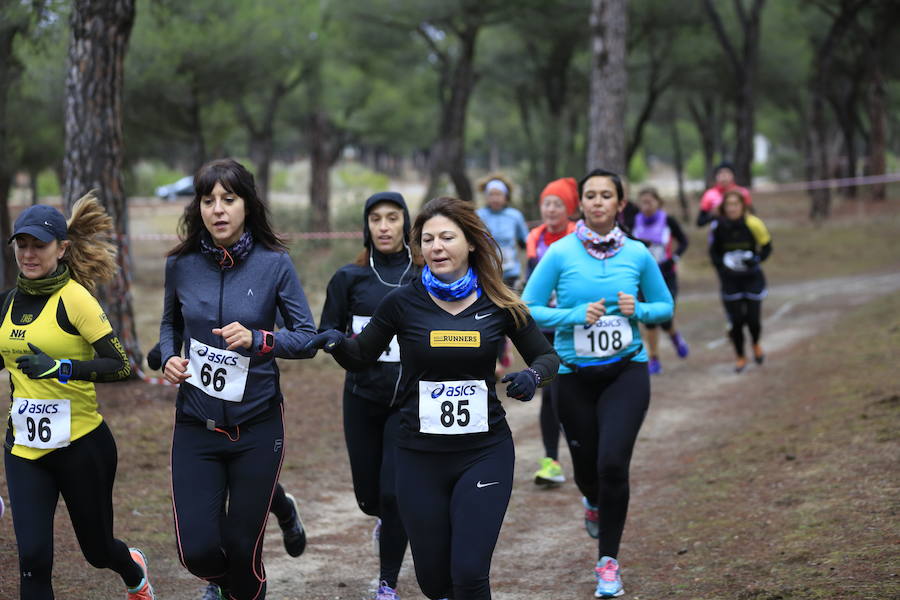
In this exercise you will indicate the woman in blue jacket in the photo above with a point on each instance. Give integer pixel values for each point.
(224, 284)
(603, 388)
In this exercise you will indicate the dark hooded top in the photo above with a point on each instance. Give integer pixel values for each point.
(356, 290)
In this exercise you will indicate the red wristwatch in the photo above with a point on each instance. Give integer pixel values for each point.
(268, 342)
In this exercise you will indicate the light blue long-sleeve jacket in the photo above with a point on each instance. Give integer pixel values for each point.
(579, 279)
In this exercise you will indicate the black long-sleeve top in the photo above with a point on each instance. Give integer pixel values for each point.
(448, 366)
(353, 294)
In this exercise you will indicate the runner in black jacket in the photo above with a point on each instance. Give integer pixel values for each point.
(224, 284)
(455, 453)
(371, 407)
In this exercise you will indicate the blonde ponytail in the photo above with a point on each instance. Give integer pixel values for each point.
(91, 255)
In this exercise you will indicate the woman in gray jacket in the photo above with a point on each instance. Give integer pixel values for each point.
(225, 282)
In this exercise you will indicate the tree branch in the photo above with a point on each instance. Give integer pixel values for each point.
(724, 41)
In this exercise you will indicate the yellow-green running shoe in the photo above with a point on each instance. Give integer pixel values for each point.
(550, 474)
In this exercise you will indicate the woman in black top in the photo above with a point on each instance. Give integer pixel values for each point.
(371, 407)
(739, 243)
(455, 453)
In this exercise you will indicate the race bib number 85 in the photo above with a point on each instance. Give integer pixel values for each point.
(220, 373)
(453, 407)
(607, 337)
(42, 424)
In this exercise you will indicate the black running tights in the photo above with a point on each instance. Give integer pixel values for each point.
(83, 473)
(742, 313)
(601, 420)
(452, 504)
(241, 464)
(371, 431)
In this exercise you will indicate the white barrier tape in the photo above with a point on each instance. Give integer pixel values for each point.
(302, 235)
(828, 183)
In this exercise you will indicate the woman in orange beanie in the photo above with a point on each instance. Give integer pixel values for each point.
(559, 202)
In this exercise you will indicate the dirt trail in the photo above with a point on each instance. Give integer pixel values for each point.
(543, 551)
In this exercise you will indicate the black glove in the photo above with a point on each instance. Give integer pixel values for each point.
(751, 262)
(327, 340)
(522, 384)
(154, 357)
(38, 365)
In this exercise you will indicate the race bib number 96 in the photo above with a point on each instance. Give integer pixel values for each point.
(42, 424)
(220, 373)
(391, 353)
(607, 337)
(453, 407)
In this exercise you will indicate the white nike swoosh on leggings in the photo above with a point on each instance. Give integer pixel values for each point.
(484, 485)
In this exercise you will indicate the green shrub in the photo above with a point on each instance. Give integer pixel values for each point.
(48, 183)
(638, 169)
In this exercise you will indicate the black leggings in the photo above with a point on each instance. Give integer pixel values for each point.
(601, 420)
(548, 418)
(740, 313)
(452, 504)
(549, 423)
(83, 473)
(241, 464)
(371, 432)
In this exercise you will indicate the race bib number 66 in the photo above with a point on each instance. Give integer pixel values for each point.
(220, 373)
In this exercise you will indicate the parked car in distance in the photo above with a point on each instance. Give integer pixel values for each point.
(182, 187)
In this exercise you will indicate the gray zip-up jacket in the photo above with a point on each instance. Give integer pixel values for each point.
(203, 296)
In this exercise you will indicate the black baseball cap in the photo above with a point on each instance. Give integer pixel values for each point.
(43, 222)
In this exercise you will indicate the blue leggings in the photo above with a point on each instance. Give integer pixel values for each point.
(452, 505)
(83, 473)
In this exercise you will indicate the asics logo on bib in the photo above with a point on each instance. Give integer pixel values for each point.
(603, 324)
(453, 391)
(215, 357)
(38, 409)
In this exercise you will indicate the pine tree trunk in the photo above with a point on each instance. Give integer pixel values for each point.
(320, 172)
(877, 136)
(93, 158)
(448, 151)
(609, 85)
(678, 159)
(9, 72)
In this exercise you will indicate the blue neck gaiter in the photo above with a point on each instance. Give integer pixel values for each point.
(450, 292)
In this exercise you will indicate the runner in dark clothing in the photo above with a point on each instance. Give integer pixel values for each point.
(740, 242)
(371, 396)
(225, 282)
(455, 452)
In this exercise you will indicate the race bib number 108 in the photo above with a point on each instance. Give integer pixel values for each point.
(607, 337)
